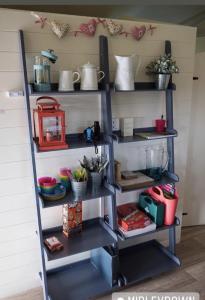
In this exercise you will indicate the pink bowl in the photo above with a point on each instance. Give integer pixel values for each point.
(47, 181)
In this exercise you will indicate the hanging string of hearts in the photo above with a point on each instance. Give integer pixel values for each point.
(89, 28)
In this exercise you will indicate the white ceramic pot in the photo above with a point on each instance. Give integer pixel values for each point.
(79, 188)
(90, 77)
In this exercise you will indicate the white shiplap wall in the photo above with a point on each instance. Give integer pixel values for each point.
(19, 252)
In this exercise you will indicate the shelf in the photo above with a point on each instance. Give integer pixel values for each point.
(145, 261)
(91, 193)
(81, 280)
(94, 235)
(160, 228)
(166, 178)
(54, 91)
(144, 86)
(136, 138)
(74, 141)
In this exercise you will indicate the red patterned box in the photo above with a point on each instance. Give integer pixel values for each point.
(72, 218)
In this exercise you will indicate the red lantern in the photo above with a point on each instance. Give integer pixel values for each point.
(49, 125)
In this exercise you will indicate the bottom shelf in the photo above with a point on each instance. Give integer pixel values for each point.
(145, 261)
(100, 274)
(80, 281)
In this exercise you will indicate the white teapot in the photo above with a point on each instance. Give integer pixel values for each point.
(127, 68)
(89, 77)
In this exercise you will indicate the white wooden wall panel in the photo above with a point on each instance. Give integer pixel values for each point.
(18, 202)
(19, 251)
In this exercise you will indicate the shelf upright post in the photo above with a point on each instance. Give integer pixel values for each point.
(29, 119)
(107, 127)
(170, 143)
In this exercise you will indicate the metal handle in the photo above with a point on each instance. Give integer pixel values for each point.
(47, 97)
(78, 77)
(102, 76)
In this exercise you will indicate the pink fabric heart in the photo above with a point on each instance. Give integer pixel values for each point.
(138, 32)
(89, 28)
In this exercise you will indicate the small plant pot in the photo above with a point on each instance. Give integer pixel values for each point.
(162, 81)
(79, 188)
(95, 179)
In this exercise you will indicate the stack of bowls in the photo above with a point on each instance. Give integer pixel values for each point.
(65, 175)
(47, 185)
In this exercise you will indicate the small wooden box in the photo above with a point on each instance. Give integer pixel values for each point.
(72, 218)
(126, 126)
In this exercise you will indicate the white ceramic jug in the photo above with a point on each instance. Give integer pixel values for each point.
(89, 77)
(127, 68)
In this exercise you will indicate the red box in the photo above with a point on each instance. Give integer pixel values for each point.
(130, 217)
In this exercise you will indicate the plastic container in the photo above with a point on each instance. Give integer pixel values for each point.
(154, 208)
(170, 204)
(64, 175)
(160, 125)
(47, 185)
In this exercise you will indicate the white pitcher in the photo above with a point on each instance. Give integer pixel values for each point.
(90, 76)
(127, 68)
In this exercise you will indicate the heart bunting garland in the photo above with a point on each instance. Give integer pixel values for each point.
(138, 32)
(89, 28)
(113, 28)
(59, 29)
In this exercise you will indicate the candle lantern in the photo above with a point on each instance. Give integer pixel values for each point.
(49, 125)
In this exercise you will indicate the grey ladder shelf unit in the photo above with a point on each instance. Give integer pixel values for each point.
(112, 264)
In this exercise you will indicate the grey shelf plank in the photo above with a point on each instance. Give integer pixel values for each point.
(74, 141)
(159, 228)
(80, 281)
(54, 91)
(143, 86)
(90, 194)
(94, 235)
(166, 178)
(145, 261)
(136, 138)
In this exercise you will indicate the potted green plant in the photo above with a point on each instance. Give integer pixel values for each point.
(162, 68)
(79, 180)
(95, 167)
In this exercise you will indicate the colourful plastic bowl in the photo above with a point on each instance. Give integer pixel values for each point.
(47, 185)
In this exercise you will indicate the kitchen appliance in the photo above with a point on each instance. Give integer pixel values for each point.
(41, 70)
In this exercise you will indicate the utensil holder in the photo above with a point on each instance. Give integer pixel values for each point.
(95, 179)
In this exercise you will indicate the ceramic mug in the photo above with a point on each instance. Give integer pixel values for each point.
(67, 79)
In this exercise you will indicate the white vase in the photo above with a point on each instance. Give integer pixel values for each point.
(127, 68)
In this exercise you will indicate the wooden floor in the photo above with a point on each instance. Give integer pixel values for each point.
(189, 278)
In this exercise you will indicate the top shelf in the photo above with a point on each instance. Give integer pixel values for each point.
(139, 87)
